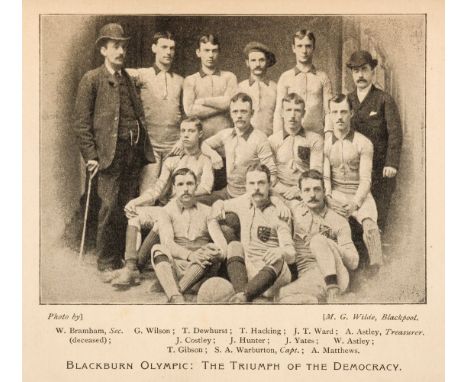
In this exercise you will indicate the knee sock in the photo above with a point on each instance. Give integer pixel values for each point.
(191, 276)
(145, 250)
(262, 281)
(131, 243)
(374, 246)
(237, 273)
(165, 275)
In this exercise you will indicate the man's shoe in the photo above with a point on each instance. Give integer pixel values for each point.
(177, 299)
(126, 277)
(238, 298)
(107, 275)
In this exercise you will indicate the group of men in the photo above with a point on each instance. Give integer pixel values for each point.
(298, 163)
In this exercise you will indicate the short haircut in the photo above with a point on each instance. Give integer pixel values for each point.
(164, 34)
(260, 167)
(311, 174)
(183, 171)
(195, 120)
(208, 38)
(293, 98)
(338, 98)
(243, 97)
(300, 34)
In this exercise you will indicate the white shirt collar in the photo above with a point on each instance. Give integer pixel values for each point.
(363, 93)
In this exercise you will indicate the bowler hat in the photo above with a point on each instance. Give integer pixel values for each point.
(111, 32)
(360, 58)
(255, 46)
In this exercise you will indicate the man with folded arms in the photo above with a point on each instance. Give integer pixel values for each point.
(258, 58)
(207, 93)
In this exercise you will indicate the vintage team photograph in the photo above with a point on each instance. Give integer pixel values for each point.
(221, 159)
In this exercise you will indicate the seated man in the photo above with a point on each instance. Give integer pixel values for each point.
(186, 231)
(347, 173)
(146, 217)
(323, 243)
(294, 149)
(257, 265)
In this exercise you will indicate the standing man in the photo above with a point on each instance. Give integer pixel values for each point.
(376, 116)
(207, 93)
(323, 243)
(310, 83)
(347, 170)
(258, 264)
(109, 124)
(187, 233)
(161, 95)
(258, 58)
(295, 150)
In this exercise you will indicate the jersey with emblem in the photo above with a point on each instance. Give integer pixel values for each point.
(261, 229)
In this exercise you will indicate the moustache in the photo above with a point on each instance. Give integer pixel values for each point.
(313, 200)
(361, 80)
(256, 193)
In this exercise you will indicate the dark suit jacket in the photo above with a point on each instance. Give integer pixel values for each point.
(378, 119)
(96, 119)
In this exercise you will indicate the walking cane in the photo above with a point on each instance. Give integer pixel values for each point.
(83, 235)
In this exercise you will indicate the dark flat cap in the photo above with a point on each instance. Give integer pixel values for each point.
(111, 32)
(360, 58)
(255, 46)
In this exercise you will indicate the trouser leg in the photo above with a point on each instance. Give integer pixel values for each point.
(108, 188)
(382, 191)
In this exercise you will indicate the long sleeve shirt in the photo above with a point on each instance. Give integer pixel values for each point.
(295, 154)
(207, 97)
(161, 95)
(263, 94)
(199, 163)
(314, 87)
(183, 230)
(348, 165)
(261, 229)
(328, 223)
(242, 151)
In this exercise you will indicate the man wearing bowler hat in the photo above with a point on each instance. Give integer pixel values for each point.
(108, 123)
(258, 58)
(376, 116)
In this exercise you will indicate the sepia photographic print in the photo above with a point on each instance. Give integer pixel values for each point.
(166, 58)
(237, 190)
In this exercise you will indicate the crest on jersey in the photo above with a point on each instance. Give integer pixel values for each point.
(264, 233)
(303, 153)
(327, 232)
